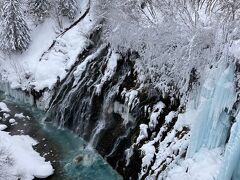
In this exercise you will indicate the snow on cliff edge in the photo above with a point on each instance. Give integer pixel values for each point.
(41, 65)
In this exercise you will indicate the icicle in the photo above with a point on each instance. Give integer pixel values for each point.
(231, 167)
(15, 94)
(211, 124)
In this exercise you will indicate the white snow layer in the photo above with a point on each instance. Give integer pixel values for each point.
(202, 166)
(26, 163)
(19, 115)
(12, 120)
(143, 133)
(41, 64)
(3, 127)
(157, 109)
(3, 107)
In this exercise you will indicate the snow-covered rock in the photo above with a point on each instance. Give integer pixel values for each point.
(20, 115)
(3, 127)
(4, 107)
(12, 120)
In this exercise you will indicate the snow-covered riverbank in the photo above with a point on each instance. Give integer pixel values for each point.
(31, 145)
(18, 159)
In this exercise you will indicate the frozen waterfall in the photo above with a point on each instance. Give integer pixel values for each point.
(215, 125)
(213, 116)
(231, 163)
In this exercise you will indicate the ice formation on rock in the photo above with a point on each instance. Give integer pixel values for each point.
(213, 119)
(230, 168)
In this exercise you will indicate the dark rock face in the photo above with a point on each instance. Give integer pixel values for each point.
(92, 115)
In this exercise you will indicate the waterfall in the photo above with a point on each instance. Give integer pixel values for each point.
(89, 100)
(101, 125)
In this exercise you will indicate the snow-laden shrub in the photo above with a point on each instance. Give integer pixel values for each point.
(172, 37)
(39, 9)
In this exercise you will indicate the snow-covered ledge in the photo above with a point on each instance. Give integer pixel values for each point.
(18, 159)
(22, 96)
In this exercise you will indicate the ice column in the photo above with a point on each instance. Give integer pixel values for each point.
(212, 122)
(230, 168)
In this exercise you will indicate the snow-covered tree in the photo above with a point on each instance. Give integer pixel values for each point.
(39, 9)
(67, 8)
(172, 37)
(14, 29)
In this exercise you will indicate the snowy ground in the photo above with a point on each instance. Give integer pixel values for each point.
(204, 165)
(18, 159)
(40, 65)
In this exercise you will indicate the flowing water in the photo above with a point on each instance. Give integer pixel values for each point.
(71, 157)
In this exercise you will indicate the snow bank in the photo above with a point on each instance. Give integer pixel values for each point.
(18, 159)
(202, 166)
(27, 163)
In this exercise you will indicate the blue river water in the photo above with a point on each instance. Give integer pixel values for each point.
(70, 156)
